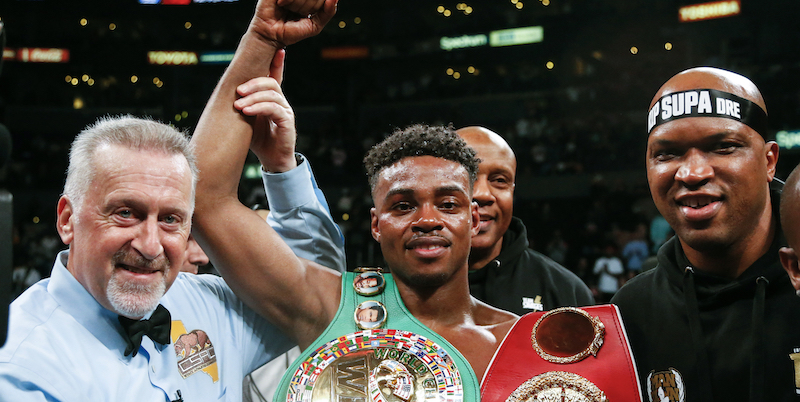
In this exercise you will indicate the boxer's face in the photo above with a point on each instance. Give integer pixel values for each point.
(424, 219)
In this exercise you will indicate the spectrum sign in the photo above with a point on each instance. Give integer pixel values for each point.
(788, 139)
(216, 57)
(503, 37)
(516, 36)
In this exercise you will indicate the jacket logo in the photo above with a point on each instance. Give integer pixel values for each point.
(666, 386)
(533, 304)
(194, 351)
(796, 360)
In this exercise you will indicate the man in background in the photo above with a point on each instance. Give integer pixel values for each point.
(504, 271)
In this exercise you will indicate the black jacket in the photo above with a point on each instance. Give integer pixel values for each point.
(522, 280)
(707, 338)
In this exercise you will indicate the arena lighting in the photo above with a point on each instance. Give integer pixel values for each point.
(464, 8)
(174, 58)
(183, 2)
(252, 171)
(463, 41)
(789, 140)
(216, 57)
(708, 11)
(41, 55)
(516, 36)
(345, 52)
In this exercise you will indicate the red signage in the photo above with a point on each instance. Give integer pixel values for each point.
(41, 55)
(345, 52)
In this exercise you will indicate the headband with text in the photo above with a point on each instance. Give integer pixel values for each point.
(707, 103)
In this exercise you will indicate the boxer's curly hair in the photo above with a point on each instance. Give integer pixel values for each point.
(421, 140)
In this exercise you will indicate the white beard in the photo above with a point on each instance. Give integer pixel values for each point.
(134, 300)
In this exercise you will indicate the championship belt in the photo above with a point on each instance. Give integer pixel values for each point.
(374, 350)
(567, 354)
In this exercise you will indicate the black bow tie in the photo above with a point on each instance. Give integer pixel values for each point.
(157, 328)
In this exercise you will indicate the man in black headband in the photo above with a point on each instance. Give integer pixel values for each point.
(712, 321)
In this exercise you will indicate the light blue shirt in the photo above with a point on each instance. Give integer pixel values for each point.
(635, 252)
(63, 345)
(299, 212)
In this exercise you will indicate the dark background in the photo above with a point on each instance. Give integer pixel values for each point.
(578, 128)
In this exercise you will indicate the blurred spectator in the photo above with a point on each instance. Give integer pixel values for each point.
(557, 247)
(635, 250)
(660, 231)
(609, 271)
(23, 277)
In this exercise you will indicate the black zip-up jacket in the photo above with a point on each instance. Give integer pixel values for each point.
(699, 337)
(522, 280)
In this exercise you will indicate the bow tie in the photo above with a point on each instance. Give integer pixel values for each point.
(157, 328)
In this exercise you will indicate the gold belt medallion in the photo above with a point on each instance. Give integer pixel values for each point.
(557, 386)
(379, 365)
(567, 335)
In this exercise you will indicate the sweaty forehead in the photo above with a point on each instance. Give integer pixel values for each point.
(422, 173)
(699, 130)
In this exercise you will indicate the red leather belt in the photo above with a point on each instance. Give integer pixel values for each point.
(575, 354)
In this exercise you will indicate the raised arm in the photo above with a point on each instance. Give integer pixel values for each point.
(299, 212)
(298, 296)
(298, 209)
